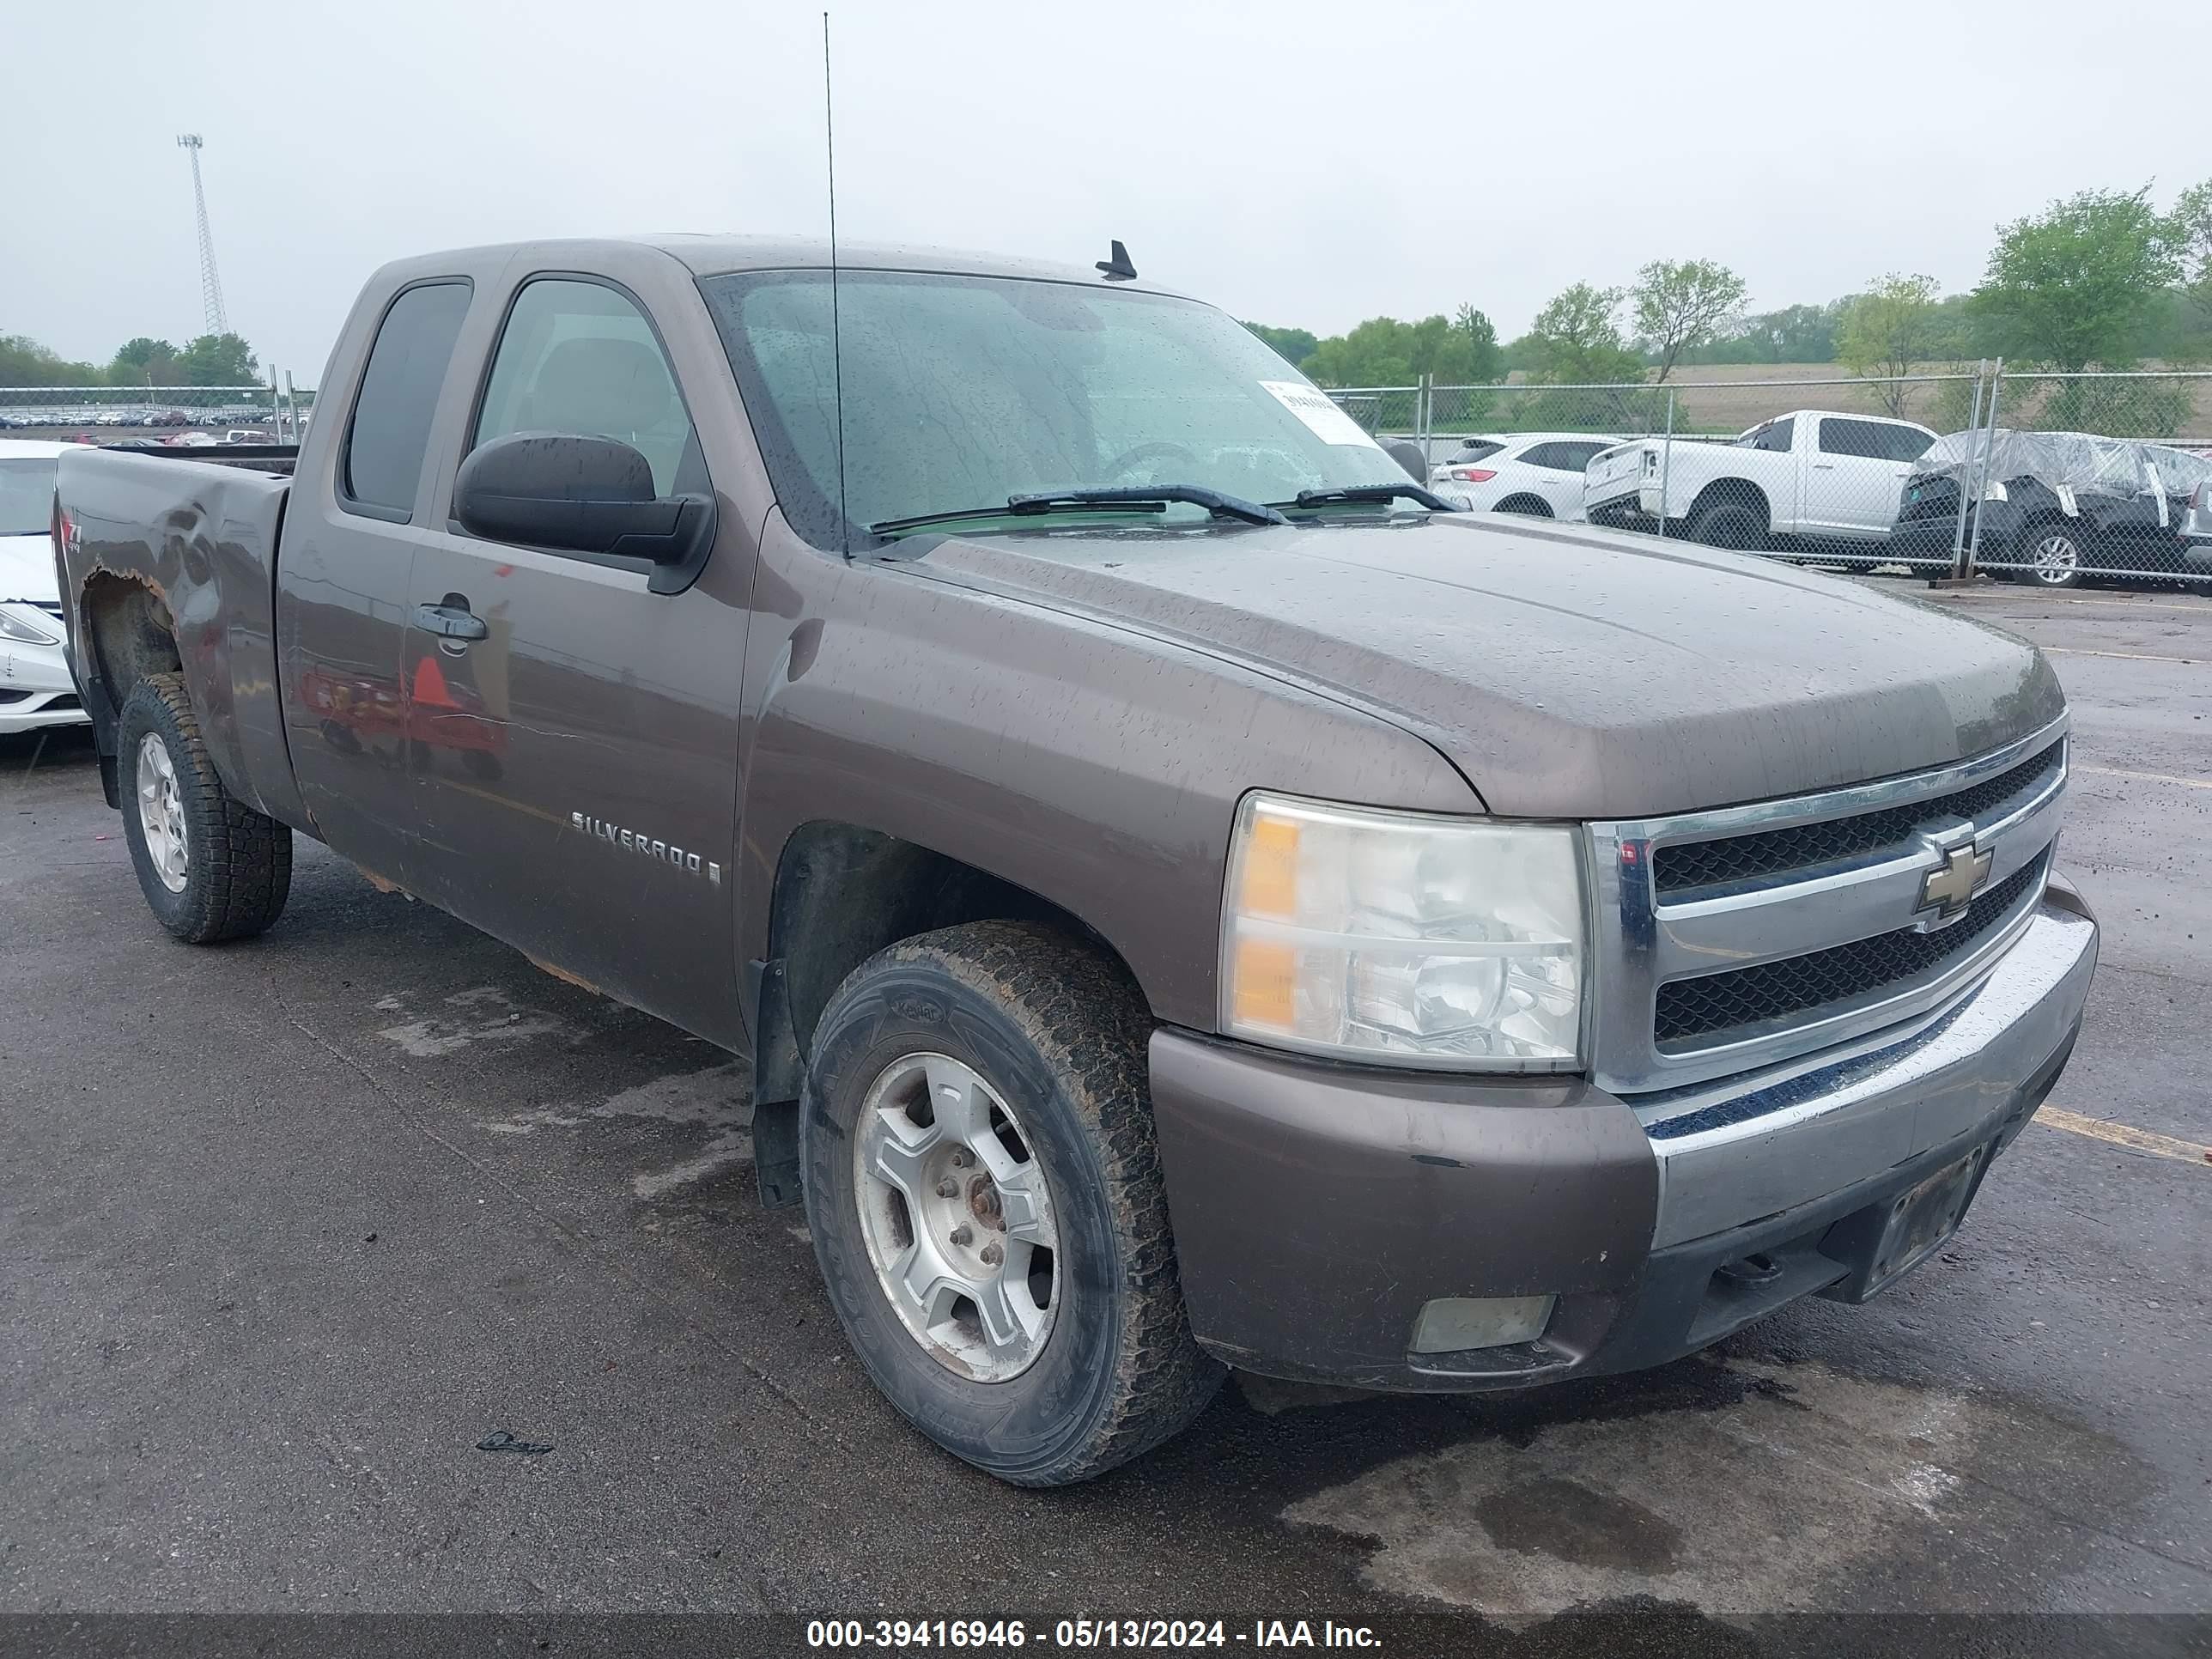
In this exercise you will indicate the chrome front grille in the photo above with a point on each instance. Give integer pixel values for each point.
(1696, 1010)
(1765, 852)
(1742, 937)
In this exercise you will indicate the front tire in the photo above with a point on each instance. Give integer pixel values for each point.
(211, 867)
(984, 1190)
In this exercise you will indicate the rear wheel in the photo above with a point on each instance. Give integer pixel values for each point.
(2053, 558)
(211, 868)
(1731, 523)
(985, 1196)
(1534, 507)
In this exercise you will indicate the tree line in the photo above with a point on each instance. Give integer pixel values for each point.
(209, 360)
(2100, 280)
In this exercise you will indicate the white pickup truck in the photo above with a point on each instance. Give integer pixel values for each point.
(1809, 476)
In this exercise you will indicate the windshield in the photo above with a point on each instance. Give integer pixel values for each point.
(27, 496)
(960, 391)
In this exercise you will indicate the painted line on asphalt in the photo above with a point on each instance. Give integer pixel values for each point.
(2122, 1134)
(2125, 656)
(2149, 777)
(2193, 602)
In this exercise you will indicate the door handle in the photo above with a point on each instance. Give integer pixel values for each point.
(1824, 466)
(452, 620)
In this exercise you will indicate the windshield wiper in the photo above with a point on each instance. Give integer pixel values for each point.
(1379, 493)
(1218, 502)
(1148, 498)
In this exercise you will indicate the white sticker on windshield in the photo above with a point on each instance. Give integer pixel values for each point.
(2066, 502)
(1322, 418)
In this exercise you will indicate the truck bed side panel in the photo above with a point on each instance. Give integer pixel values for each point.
(202, 539)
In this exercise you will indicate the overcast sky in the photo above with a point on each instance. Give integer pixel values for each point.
(1298, 163)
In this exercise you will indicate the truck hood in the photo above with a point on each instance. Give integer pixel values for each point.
(27, 569)
(1568, 673)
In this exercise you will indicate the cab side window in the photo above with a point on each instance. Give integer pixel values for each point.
(1864, 439)
(390, 431)
(580, 357)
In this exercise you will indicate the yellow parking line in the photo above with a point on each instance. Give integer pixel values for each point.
(2149, 777)
(2125, 656)
(2120, 1134)
(2191, 602)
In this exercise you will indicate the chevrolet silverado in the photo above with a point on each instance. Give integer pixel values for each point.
(1188, 898)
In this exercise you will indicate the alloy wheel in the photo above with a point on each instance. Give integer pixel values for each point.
(2057, 561)
(161, 812)
(957, 1217)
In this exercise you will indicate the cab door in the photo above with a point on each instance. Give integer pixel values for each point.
(576, 762)
(1853, 479)
(345, 573)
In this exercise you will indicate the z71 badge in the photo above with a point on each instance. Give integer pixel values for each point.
(631, 841)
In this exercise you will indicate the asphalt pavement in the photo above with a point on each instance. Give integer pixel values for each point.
(289, 1228)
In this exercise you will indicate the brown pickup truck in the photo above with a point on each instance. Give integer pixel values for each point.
(1187, 897)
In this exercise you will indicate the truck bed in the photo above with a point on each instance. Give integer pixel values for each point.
(198, 529)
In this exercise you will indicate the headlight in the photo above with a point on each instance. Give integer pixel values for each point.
(17, 627)
(1403, 937)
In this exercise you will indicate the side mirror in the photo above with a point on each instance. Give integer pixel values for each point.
(583, 495)
(1409, 455)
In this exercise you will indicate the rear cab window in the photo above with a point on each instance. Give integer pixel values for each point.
(1775, 435)
(380, 464)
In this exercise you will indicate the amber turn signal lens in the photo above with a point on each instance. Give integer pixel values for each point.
(1271, 869)
(1266, 983)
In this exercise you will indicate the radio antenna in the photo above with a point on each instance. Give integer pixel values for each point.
(837, 334)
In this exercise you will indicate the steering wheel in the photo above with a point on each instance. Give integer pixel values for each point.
(1129, 457)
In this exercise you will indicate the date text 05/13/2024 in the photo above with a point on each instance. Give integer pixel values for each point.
(895, 1634)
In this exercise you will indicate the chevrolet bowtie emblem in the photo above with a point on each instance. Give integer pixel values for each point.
(1950, 887)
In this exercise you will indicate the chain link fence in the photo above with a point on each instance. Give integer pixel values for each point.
(2068, 477)
(194, 415)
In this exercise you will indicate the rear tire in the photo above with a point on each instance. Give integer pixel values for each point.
(1731, 523)
(2051, 557)
(211, 868)
(1534, 507)
(1015, 1026)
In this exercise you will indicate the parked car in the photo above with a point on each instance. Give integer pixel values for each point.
(1807, 477)
(1214, 905)
(36, 689)
(1536, 473)
(2059, 507)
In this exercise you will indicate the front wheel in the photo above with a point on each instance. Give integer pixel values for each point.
(211, 867)
(984, 1191)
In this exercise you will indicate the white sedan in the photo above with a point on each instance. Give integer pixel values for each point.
(1538, 473)
(35, 687)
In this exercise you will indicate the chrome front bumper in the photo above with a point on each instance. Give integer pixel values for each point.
(1781, 1140)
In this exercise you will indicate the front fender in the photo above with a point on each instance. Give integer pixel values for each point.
(1089, 763)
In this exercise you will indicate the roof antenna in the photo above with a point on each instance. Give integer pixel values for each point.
(837, 334)
(1115, 267)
